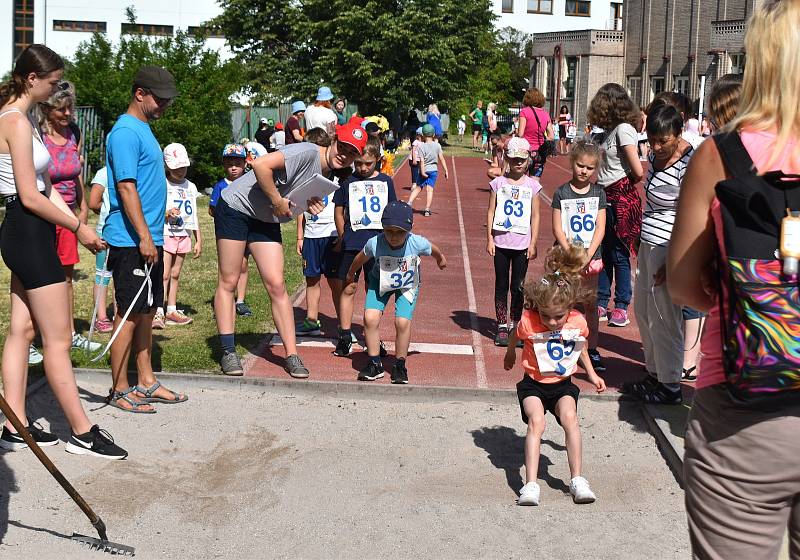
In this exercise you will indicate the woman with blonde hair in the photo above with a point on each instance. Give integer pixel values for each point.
(741, 471)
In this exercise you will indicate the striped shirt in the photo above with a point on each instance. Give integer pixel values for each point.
(662, 189)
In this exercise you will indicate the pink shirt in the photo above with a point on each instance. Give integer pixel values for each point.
(760, 147)
(533, 133)
(510, 239)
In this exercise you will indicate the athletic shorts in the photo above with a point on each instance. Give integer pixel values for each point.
(127, 268)
(28, 247)
(402, 307)
(548, 393)
(67, 247)
(345, 260)
(102, 276)
(177, 245)
(415, 174)
(232, 224)
(477, 128)
(319, 257)
(430, 181)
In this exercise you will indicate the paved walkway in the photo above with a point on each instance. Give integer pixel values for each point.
(454, 324)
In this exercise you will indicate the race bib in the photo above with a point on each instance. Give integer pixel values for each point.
(399, 273)
(513, 209)
(186, 202)
(324, 217)
(367, 201)
(557, 352)
(572, 131)
(578, 218)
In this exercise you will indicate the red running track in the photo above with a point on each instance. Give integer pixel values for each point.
(454, 322)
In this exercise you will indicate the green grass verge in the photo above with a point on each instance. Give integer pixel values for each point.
(194, 347)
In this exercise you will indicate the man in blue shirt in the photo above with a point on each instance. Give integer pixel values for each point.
(134, 231)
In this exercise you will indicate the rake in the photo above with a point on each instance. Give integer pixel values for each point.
(96, 544)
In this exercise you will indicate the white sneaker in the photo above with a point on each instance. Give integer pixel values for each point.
(581, 493)
(80, 342)
(529, 495)
(34, 356)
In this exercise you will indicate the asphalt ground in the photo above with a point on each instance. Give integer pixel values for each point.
(298, 471)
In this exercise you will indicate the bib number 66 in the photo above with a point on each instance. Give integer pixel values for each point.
(579, 223)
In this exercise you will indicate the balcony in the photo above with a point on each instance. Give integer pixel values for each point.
(590, 41)
(728, 35)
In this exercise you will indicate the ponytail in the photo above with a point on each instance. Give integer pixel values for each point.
(36, 59)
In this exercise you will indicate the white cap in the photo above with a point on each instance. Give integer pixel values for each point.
(175, 156)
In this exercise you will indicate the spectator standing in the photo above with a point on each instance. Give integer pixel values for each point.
(134, 230)
(294, 133)
(535, 127)
(462, 128)
(278, 139)
(564, 120)
(339, 107)
(320, 114)
(266, 129)
(99, 204)
(477, 125)
(434, 118)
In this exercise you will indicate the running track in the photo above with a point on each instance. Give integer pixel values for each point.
(453, 328)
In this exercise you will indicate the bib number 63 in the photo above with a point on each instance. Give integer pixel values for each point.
(558, 349)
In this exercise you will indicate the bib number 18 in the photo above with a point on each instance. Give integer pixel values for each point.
(374, 203)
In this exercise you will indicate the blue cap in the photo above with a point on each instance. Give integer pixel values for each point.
(234, 150)
(298, 106)
(398, 214)
(324, 94)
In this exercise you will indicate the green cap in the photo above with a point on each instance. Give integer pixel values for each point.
(427, 130)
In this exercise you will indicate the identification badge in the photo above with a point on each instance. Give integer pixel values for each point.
(512, 212)
(399, 273)
(367, 200)
(186, 202)
(578, 219)
(557, 352)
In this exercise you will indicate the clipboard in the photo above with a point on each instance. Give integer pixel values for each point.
(315, 187)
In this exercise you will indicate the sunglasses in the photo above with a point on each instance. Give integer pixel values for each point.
(160, 101)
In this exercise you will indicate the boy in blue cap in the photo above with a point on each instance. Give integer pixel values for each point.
(294, 133)
(396, 253)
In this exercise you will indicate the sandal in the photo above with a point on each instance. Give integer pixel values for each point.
(136, 406)
(689, 374)
(148, 397)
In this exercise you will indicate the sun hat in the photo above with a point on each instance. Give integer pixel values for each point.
(428, 130)
(298, 106)
(352, 134)
(398, 214)
(175, 156)
(157, 80)
(263, 120)
(518, 148)
(234, 150)
(255, 149)
(324, 94)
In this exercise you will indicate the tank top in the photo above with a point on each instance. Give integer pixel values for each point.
(41, 159)
(65, 167)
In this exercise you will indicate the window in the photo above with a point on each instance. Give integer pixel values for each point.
(551, 77)
(87, 26)
(737, 63)
(635, 88)
(508, 6)
(578, 8)
(682, 84)
(147, 29)
(569, 83)
(540, 6)
(616, 16)
(207, 32)
(23, 25)
(656, 86)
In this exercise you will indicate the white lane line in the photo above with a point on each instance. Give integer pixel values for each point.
(480, 366)
(421, 347)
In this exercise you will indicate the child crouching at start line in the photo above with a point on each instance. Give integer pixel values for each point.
(554, 336)
(396, 272)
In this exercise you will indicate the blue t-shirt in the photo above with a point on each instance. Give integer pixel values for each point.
(355, 240)
(133, 153)
(221, 184)
(415, 246)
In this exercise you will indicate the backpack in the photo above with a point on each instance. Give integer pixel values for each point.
(761, 321)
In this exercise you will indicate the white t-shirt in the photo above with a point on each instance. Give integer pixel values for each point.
(321, 225)
(182, 196)
(318, 116)
(613, 165)
(101, 178)
(277, 140)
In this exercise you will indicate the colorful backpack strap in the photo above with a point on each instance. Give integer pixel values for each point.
(734, 155)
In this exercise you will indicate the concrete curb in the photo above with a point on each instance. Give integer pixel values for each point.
(669, 443)
(344, 389)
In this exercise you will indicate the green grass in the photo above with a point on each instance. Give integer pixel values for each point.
(194, 347)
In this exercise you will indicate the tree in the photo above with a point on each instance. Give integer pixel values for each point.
(200, 116)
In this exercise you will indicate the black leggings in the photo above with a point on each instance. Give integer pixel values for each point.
(517, 261)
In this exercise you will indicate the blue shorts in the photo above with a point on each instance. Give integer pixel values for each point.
(319, 258)
(232, 224)
(430, 181)
(102, 276)
(402, 307)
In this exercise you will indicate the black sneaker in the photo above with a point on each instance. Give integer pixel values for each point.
(597, 361)
(243, 310)
(370, 373)
(382, 351)
(399, 372)
(343, 347)
(659, 394)
(95, 442)
(231, 365)
(501, 338)
(647, 383)
(13, 442)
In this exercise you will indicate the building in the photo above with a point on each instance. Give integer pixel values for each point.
(674, 45)
(544, 16)
(63, 24)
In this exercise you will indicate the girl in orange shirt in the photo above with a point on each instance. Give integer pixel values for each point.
(554, 336)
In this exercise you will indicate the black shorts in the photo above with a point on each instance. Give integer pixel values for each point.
(477, 128)
(28, 247)
(548, 393)
(232, 224)
(562, 131)
(346, 260)
(127, 270)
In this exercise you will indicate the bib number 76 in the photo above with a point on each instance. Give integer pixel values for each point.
(184, 207)
(402, 279)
